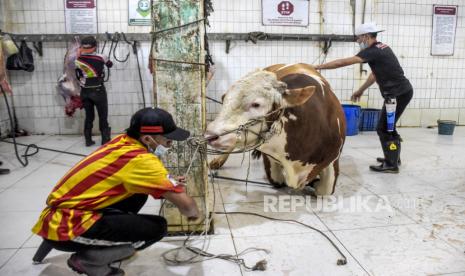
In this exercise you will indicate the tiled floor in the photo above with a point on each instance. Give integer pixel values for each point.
(412, 223)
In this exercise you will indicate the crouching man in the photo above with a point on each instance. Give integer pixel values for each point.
(93, 210)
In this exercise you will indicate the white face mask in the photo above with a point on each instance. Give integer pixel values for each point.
(160, 150)
(363, 45)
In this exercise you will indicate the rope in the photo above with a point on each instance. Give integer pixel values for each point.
(26, 154)
(262, 136)
(136, 52)
(342, 261)
(192, 254)
(213, 100)
(177, 27)
(189, 254)
(180, 61)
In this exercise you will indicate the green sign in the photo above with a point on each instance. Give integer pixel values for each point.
(139, 12)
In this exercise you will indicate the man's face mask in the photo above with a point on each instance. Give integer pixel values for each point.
(363, 44)
(160, 150)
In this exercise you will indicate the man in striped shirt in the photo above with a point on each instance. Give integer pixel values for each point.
(93, 210)
(90, 71)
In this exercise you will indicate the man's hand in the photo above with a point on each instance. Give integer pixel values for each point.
(185, 204)
(356, 96)
(180, 179)
(197, 218)
(5, 86)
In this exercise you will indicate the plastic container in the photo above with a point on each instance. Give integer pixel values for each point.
(369, 119)
(352, 113)
(390, 105)
(446, 127)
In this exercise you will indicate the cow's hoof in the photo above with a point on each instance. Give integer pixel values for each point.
(256, 154)
(216, 163)
(278, 185)
(313, 183)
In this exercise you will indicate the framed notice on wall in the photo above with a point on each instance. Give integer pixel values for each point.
(81, 16)
(285, 12)
(444, 26)
(139, 12)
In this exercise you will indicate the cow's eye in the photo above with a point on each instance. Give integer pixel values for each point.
(255, 105)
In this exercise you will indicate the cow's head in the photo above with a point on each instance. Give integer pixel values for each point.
(254, 96)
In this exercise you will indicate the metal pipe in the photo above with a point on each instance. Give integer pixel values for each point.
(281, 37)
(211, 36)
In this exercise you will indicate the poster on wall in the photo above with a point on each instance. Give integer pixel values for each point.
(139, 12)
(81, 16)
(444, 25)
(285, 12)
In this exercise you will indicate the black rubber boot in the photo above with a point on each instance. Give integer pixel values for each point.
(381, 159)
(390, 164)
(88, 137)
(106, 135)
(96, 262)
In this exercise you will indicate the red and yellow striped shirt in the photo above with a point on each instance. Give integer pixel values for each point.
(114, 172)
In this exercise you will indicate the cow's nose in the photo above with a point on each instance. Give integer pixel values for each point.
(211, 137)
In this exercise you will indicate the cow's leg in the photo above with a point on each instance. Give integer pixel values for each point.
(218, 162)
(274, 172)
(328, 178)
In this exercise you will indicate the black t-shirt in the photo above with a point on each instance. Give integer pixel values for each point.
(386, 68)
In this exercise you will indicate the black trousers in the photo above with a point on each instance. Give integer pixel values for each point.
(402, 102)
(95, 97)
(121, 223)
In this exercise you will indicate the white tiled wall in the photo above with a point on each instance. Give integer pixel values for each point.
(38, 106)
(438, 85)
(439, 88)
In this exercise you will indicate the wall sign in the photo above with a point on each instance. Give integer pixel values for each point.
(285, 12)
(81, 16)
(139, 12)
(444, 26)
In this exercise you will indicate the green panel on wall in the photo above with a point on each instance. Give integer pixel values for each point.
(179, 88)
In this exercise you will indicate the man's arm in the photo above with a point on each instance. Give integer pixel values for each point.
(370, 80)
(185, 204)
(358, 94)
(339, 63)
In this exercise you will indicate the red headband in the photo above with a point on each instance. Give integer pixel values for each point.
(151, 129)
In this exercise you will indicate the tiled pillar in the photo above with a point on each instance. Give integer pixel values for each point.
(180, 89)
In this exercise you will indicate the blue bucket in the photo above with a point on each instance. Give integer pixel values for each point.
(446, 127)
(352, 113)
(369, 119)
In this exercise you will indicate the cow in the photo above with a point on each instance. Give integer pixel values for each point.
(292, 117)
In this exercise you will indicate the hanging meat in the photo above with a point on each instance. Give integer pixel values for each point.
(68, 85)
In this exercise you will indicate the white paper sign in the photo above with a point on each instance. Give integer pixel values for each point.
(81, 16)
(444, 25)
(139, 12)
(285, 12)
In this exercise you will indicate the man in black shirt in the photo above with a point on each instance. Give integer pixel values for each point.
(387, 72)
(90, 70)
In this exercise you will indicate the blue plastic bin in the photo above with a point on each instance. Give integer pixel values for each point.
(446, 127)
(369, 119)
(352, 113)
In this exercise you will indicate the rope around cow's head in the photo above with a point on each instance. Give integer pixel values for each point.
(263, 135)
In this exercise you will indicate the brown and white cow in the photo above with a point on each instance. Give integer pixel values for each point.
(305, 140)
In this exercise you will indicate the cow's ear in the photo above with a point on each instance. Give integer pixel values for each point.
(298, 96)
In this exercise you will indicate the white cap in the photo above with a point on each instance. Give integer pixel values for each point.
(366, 28)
